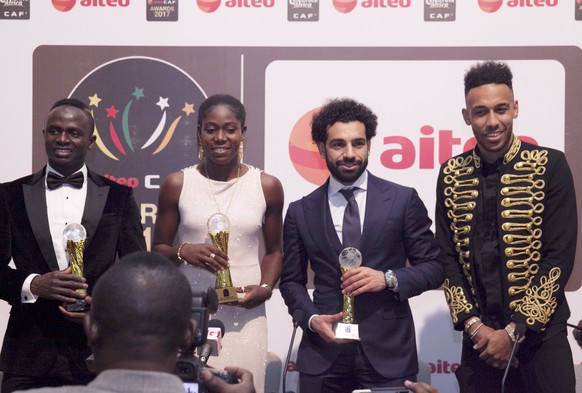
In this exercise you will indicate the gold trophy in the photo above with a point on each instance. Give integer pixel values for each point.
(349, 258)
(218, 230)
(74, 237)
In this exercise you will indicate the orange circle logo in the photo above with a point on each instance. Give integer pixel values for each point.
(344, 6)
(208, 5)
(64, 5)
(303, 152)
(490, 5)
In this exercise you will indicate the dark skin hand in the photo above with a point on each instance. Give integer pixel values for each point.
(494, 347)
(74, 317)
(254, 295)
(60, 285)
(217, 385)
(578, 333)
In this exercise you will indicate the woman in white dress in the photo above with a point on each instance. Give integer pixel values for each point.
(253, 202)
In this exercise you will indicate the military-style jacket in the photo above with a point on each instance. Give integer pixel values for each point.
(537, 231)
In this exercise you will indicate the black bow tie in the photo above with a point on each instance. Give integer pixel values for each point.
(54, 181)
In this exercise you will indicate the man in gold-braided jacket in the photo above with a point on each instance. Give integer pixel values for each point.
(506, 223)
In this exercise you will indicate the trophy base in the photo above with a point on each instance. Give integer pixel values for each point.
(347, 331)
(79, 306)
(227, 295)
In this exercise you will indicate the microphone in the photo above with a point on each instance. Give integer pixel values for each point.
(297, 319)
(574, 326)
(213, 343)
(518, 334)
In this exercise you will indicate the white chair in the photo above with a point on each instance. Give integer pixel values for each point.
(273, 373)
(578, 371)
(424, 374)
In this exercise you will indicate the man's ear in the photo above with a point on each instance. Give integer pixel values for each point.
(515, 109)
(465, 113)
(189, 335)
(91, 329)
(321, 148)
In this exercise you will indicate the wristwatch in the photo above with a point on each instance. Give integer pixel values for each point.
(391, 280)
(511, 332)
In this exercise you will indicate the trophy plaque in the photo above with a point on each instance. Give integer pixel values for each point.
(218, 230)
(347, 329)
(74, 237)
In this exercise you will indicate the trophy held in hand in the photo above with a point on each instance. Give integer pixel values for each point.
(218, 230)
(74, 237)
(347, 329)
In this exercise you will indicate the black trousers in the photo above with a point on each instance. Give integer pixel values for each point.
(62, 374)
(546, 367)
(350, 371)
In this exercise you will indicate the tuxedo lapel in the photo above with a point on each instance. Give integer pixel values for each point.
(379, 201)
(320, 223)
(97, 193)
(35, 201)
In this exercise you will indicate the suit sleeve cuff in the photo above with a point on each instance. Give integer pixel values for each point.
(26, 295)
(309, 322)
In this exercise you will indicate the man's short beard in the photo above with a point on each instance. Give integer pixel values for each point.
(341, 176)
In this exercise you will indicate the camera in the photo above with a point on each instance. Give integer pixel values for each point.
(188, 365)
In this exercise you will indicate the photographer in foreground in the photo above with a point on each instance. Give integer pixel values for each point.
(136, 330)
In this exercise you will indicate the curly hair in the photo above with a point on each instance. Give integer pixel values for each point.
(222, 99)
(342, 110)
(486, 73)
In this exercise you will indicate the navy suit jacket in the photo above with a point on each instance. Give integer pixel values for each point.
(37, 332)
(396, 229)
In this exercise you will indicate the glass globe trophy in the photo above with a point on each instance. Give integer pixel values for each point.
(349, 258)
(74, 238)
(218, 230)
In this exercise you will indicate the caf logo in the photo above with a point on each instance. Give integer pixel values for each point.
(145, 112)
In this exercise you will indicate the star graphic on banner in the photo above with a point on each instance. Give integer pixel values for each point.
(163, 103)
(94, 100)
(138, 93)
(112, 112)
(188, 109)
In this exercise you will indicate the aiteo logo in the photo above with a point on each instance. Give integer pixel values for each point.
(67, 5)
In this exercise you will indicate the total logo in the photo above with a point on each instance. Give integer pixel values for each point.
(67, 5)
(345, 6)
(494, 5)
(209, 6)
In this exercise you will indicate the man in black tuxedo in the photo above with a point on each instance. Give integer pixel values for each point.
(393, 228)
(44, 345)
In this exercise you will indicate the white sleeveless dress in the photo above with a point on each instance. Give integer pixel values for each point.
(245, 339)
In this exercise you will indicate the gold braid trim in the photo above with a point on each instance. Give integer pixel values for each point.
(539, 302)
(523, 197)
(513, 150)
(510, 155)
(457, 301)
(460, 195)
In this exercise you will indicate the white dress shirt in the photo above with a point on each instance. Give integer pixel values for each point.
(65, 205)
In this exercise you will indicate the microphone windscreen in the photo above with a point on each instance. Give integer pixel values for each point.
(217, 323)
(298, 316)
